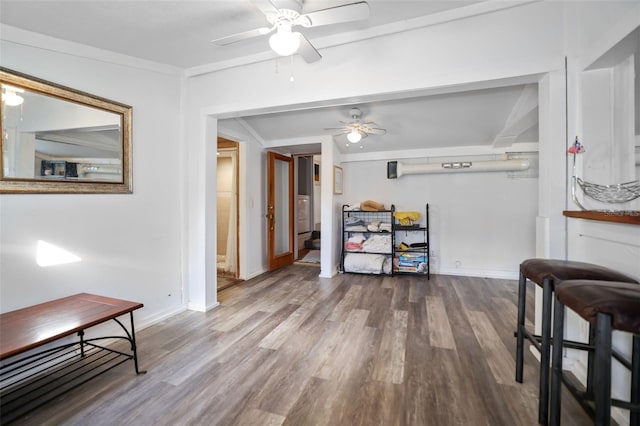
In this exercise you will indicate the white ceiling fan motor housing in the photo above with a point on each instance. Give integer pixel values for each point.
(284, 16)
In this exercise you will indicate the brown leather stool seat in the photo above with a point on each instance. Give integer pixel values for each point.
(607, 306)
(546, 273)
(537, 270)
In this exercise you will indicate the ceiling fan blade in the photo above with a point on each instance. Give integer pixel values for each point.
(234, 38)
(307, 51)
(375, 131)
(336, 15)
(266, 6)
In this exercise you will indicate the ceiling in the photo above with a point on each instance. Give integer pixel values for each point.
(455, 120)
(178, 33)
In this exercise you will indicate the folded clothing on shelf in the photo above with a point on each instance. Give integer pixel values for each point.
(356, 228)
(352, 246)
(378, 244)
(355, 242)
(384, 227)
(352, 220)
(357, 238)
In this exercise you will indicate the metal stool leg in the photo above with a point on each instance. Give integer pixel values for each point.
(635, 380)
(590, 363)
(522, 300)
(556, 373)
(602, 371)
(545, 353)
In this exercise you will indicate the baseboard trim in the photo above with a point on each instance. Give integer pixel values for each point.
(143, 323)
(480, 273)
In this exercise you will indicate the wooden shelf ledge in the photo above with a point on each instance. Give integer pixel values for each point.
(631, 217)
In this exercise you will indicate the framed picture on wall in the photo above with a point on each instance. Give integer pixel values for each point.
(337, 180)
(316, 173)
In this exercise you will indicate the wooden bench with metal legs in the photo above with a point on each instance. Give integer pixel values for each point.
(36, 366)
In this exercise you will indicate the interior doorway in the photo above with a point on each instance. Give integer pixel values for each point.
(228, 253)
(308, 204)
(280, 210)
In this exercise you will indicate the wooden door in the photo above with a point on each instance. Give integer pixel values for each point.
(280, 225)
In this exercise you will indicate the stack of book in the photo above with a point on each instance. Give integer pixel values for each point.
(411, 262)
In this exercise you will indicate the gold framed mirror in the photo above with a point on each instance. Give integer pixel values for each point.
(59, 140)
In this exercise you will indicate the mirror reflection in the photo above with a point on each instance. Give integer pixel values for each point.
(49, 138)
(55, 139)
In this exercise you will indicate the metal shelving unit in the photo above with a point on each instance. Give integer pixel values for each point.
(365, 260)
(411, 248)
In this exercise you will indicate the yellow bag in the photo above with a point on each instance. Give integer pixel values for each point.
(406, 218)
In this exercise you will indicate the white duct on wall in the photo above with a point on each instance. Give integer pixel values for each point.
(395, 169)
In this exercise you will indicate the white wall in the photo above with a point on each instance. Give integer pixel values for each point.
(521, 41)
(129, 244)
(331, 211)
(603, 119)
(481, 224)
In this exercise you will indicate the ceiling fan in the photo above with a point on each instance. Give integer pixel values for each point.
(356, 129)
(284, 41)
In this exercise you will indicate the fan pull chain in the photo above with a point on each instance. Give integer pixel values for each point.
(291, 77)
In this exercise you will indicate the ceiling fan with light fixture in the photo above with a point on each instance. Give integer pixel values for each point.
(285, 41)
(356, 129)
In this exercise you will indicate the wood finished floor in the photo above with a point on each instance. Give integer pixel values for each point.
(226, 282)
(289, 348)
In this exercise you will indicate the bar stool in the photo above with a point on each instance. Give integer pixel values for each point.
(606, 306)
(546, 273)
